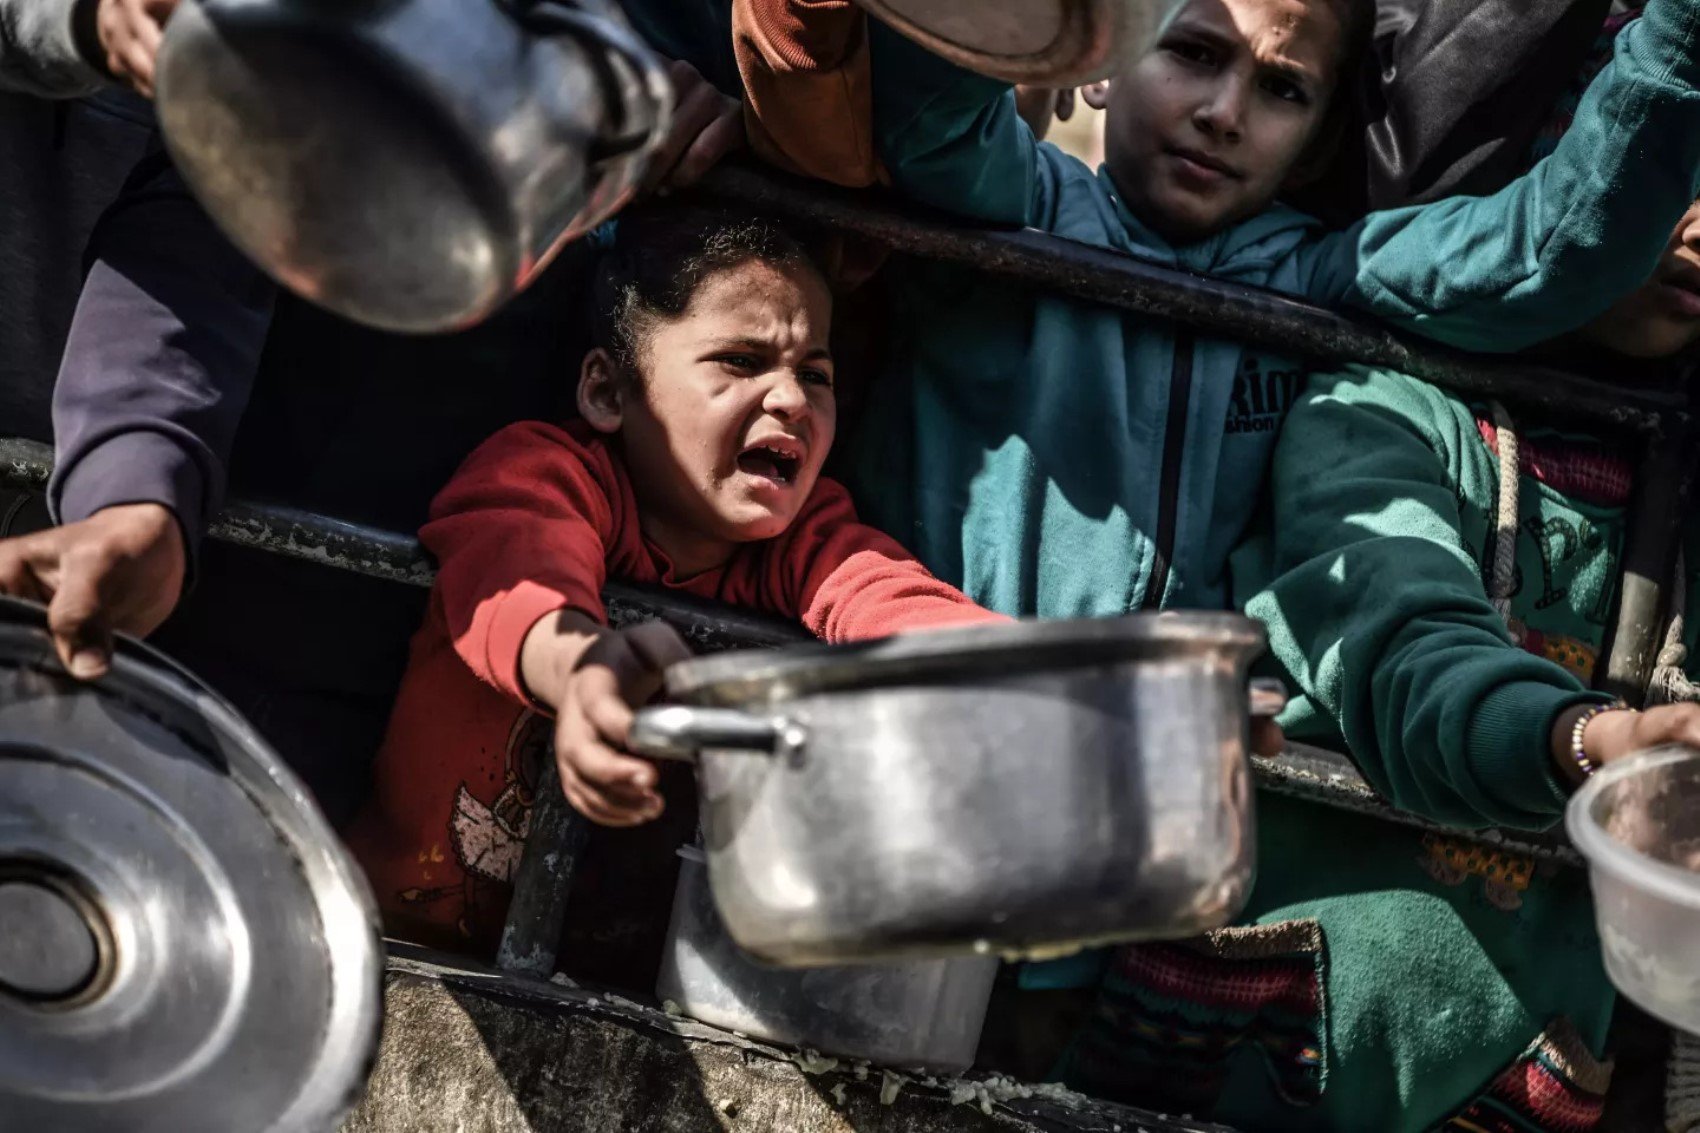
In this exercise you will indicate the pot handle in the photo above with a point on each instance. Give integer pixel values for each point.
(1268, 696)
(680, 731)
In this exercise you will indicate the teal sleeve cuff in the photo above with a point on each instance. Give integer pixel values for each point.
(1661, 43)
(1509, 749)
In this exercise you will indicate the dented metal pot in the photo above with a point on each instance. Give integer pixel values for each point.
(1030, 788)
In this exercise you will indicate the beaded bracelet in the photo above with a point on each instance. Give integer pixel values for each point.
(1576, 751)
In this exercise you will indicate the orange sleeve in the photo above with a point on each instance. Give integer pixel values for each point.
(521, 531)
(808, 92)
(847, 581)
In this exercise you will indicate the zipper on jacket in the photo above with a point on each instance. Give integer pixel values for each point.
(1169, 487)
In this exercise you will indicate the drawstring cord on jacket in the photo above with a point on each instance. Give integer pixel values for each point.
(1502, 573)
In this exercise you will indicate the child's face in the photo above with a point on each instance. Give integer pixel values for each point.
(1205, 128)
(734, 413)
(1662, 316)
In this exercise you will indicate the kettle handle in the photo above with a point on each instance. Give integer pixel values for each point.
(681, 731)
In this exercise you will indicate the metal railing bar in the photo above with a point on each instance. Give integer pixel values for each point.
(1311, 773)
(1652, 543)
(393, 557)
(1213, 307)
(1329, 778)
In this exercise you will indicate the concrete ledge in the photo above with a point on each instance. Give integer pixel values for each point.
(469, 1050)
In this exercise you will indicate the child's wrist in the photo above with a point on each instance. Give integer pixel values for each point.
(551, 652)
(1582, 736)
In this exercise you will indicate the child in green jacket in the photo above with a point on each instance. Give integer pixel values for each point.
(1440, 622)
(1061, 459)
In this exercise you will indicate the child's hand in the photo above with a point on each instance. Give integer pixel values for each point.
(617, 674)
(1618, 733)
(121, 568)
(1038, 106)
(129, 32)
(706, 127)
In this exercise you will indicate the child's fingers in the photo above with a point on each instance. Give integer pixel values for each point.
(1671, 723)
(610, 719)
(597, 762)
(600, 697)
(722, 136)
(614, 771)
(698, 106)
(598, 720)
(596, 806)
(579, 756)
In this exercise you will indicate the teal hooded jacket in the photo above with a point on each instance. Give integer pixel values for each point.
(1058, 458)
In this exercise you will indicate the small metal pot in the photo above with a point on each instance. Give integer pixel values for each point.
(1052, 43)
(410, 164)
(915, 1014)
(1025, 789)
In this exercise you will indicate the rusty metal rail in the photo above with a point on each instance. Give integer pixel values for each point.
(371, 551)
(1214, 307)
(1310, 773)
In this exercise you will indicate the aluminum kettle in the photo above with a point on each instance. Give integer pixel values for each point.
(409, 164)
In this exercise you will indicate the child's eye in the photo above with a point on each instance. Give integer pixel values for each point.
(817, 378)
(747, 363)
(1287, 90)
(1191, 52)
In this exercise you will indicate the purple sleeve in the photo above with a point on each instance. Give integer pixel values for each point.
(160, 359)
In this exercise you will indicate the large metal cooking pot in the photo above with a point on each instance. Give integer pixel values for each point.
(183, 943)
(1031, 788)
(1052, 43)
(410, 164)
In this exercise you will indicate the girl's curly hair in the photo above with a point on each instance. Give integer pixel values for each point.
(661, 254)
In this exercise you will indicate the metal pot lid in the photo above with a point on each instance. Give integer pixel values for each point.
(761, 675)
(185, 943)
(1054, 43)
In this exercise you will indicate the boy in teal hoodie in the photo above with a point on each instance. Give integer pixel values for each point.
(1060, 459)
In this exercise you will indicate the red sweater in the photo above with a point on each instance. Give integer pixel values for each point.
(539, 516)
(534, 522)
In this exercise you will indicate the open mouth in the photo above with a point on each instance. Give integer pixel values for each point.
(778, 460)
